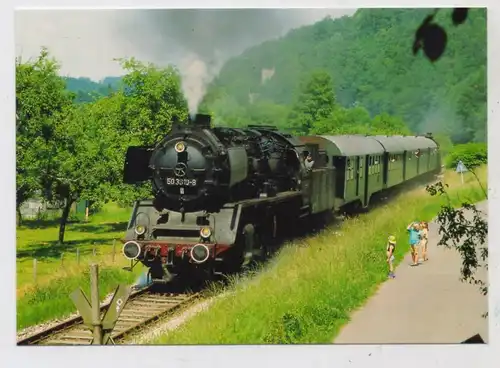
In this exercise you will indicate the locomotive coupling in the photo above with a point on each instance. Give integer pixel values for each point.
(199, 253)
(131, 250)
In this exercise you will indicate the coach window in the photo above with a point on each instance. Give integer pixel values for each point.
(369, 165)
(361, 167)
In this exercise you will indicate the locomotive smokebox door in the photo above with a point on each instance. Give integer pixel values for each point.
(136, 167)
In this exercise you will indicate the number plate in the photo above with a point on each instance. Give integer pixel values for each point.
(181, 182)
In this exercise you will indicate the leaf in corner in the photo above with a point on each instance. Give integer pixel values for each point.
(434, 42)
(459, 15)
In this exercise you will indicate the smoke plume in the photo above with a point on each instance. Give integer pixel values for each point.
(200, 41)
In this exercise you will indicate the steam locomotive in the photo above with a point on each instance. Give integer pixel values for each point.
(223, 197)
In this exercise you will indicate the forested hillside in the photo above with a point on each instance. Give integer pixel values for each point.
(369, 59)
(87, 90)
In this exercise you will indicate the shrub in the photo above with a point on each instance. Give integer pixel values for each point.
(471, 154)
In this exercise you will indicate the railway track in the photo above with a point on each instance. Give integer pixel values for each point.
(142, 308)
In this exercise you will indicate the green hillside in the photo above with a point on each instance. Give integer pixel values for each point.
(87, 90)
(369, 57)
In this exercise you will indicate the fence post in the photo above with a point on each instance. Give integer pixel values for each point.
(34, 270)
(114, 250)
(78, 256)
(96, 310)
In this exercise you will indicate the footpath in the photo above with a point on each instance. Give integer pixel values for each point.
(425, 304)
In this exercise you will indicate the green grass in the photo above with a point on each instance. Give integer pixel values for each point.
(38, 239)
(307, 293)
(48, 298)
(53, 301)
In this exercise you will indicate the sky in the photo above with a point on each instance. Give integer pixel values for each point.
(85, 42)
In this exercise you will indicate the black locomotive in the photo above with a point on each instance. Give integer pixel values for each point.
(223, 196)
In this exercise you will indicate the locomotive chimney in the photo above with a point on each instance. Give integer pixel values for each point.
(201, 120)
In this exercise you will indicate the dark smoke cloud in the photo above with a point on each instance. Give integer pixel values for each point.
(198, 42)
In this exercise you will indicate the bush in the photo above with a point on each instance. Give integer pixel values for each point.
(471, 154)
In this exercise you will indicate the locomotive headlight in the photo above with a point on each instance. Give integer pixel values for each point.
(131, 250)
(199, 253)
(205, 232)
(140, 229)
(180, 147)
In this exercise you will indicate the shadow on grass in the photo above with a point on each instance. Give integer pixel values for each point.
(53, 249)
(76, 225)
(99, 228)
(43, 224)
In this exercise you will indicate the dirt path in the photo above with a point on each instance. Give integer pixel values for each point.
(424, 304)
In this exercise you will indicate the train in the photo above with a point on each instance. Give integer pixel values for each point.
(224, 197)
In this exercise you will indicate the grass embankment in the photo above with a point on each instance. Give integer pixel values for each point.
(309, 290)
(48, 297)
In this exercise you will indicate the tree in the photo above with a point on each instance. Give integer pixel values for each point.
(465, 235)
(314, 102)
(41, 98)
(153, 99)
(388, 125)
(265, 112)
(84, 152)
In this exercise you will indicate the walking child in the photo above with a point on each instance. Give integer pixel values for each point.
(391, 246)
(414, 230)
(424, 237)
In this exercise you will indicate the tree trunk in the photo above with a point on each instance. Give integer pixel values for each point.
(19, 215)
(64, 219)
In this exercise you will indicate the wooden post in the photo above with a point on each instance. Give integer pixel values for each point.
(78, 256)
(114, 250)
(34, 270)
(96, 310)
(86, 213)
(62, 259)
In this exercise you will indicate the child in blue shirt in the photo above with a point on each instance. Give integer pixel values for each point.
(414, 231)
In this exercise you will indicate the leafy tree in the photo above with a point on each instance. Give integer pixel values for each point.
(388, 125)
(83, 157)
(41, 98)
(466, 235)
(315, 101)
(268, 113)
(153, 99)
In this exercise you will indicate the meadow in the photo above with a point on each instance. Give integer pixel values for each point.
(59, 270)
(308, 291)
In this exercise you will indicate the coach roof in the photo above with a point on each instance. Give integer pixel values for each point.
(391, 143)
(353, 145)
